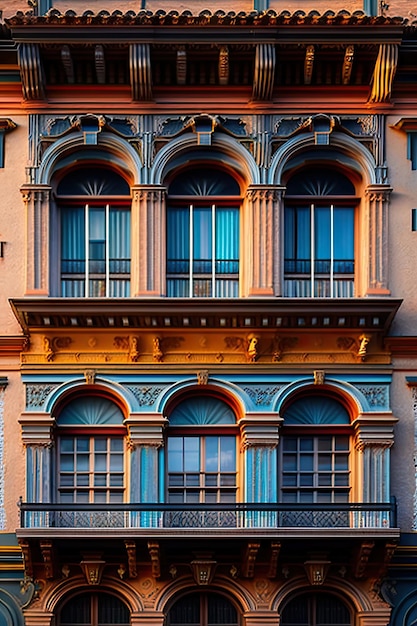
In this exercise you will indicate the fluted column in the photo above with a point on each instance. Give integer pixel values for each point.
(261, 240)
(148, 228)
(377, 203)
(36, 199)
(37, 438)
(374, 438)
(259, 436)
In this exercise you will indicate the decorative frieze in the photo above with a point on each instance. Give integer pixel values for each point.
(37, 395)
(146, 395)
(262, 395)
(376, 395)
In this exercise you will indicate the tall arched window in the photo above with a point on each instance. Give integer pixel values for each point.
(203, 235)
(315, 452)
(319, 246)
(95, 233)
(94, 609)
(315, 609)
(201, 452)
(90, 452)
(203, 609)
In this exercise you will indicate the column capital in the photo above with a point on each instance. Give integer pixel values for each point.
(374, 429)
(37, 428)
(260, 429)
(146, 429)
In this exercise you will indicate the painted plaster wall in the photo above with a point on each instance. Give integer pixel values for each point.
(13, 469)
(403, 480)
(12, 224)
(402, 240)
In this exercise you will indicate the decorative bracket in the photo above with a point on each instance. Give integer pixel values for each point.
(131, 558)
(249, 559)
(263, 80)
(153, 547)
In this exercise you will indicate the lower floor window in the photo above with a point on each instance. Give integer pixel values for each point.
(315, 610)
(97, 609)
(208, 609)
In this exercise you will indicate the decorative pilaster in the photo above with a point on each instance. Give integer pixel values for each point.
(146, 437)
(377, 203)
(37, 437)
(36, 199)
(259, 436)
(3, 383)
(148, 219)
(263, 266)
(374, 438)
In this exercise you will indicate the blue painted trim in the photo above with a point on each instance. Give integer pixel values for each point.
(412, 148)
(2, 134)
(370, 7)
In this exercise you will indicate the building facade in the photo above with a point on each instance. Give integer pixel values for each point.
(207, 326)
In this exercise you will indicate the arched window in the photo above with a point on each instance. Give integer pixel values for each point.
(319, 247)
(94, 209)
(94, 609)
(203, 235)
(201, 452)
(315, 452)
(90, 452)
(203, 609)
(315, 609)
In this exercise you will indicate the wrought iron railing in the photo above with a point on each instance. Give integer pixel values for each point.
(221, 516)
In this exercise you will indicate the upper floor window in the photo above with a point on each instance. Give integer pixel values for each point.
(203, 235)
(201, 464)
(319, 246)
(95, 234)
(315, 452)
(90, 452)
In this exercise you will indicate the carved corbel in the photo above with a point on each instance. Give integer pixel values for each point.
(90, 377)
(384, 72)
(273, 559)
(202, 377)
(140, 71)
(223, 65)
(31, 71)
(252, 348)
(347, 64)
(100, 64)
(319, 377)
(27, 558)
(181, 66)
(92, 566)
(249, 559)
(48, 556)
(49, 354)
(309, 64)
(362, 558)
(131, 558)
(363, 346)
(264, 73)
(154, 553)
(158, 355)
(133, 349)
(68, 64)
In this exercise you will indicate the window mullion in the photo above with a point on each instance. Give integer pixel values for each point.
(91, 466)
(312, 249)
(87, 250)
(213, 250)
(191, 261)
(107, 248)
(331, 249)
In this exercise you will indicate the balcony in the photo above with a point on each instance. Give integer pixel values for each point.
(196, 519)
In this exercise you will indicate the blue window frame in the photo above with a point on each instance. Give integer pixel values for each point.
(203, 235)
(319, 245)
(95, 234)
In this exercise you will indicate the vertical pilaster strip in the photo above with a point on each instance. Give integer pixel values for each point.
(140, 71)
(414, 397)
(384, 72)
(263, 205)
(36, 199)
(149, 221)
(31, 71)
(264, 73)
(377, 200)
(2, 509)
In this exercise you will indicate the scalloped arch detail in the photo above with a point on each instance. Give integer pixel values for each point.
(178, 150)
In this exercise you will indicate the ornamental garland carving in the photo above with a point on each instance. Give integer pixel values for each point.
(36, 395)
(377, 396)
(145, 395)
(262, 395)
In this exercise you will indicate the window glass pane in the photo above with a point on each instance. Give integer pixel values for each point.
(67, 444)
(306, 462)
(175, 454)
(212, 460)
(227, 454)
(100, 462)
(83, 444)
(191, 454)
(306, 444)
(82, 462)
